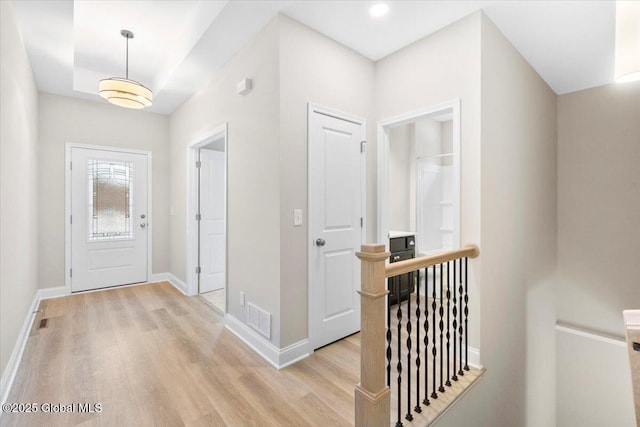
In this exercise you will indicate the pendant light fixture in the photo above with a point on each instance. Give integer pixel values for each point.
(122, 91)
(627, 41)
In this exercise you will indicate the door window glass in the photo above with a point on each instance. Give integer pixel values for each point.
(110, 200)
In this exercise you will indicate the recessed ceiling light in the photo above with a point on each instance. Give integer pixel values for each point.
(379, 9)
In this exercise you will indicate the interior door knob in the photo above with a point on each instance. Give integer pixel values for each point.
(320, 242)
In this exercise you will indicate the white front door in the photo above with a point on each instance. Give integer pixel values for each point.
(109, 218)
(212, 222)
(336, 225)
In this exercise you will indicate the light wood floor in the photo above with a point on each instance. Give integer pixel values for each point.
(216, 299)
(152, 356)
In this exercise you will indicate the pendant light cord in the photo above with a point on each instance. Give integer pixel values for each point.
(127, 61)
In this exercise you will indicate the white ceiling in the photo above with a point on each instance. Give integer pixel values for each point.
(179, 45)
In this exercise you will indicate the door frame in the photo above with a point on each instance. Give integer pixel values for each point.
(383, 164)
(67, 205)
(311, 108)
(220, 132)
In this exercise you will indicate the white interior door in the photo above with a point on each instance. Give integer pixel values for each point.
(212, 223)
(336, 226)
(109, 218)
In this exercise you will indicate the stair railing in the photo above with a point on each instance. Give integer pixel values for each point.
(373, 394)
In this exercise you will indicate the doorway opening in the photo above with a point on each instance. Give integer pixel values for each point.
(419, 178)
(419, 186)
(207, 218)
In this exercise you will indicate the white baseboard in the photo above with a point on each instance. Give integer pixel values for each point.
(294, 353)
(168, 277)
(474, 357)
(278, 357)
(9, 374)
(159, 277)
(48, 293)
(178, 284)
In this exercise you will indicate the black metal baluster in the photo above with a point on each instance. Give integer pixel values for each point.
(399, 366)
(418, 409)
(434, 349)
(441, 324)
(426, 337)
(455, 323)
(409, 276)
(448, 383)
(460, 328)
(466, 314)
(390, 289)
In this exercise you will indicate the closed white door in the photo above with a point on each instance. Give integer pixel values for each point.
(212, 222)
(109, 218)
(336, 221)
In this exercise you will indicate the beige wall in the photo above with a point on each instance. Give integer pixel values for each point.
(18, 184)
(61, 120)
(443, 67)
(518, 243)
(313, 68)
(599, 206)
(598, 234)
(401, 184)
(253, 258)
(290, 65)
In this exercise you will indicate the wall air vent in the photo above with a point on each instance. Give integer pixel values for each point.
(259, 320)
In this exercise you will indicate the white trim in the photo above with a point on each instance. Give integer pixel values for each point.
(220, 132)
(474, 357)
(9, 374)
(159, 277)
(317, 108)
(294, 353)
(311, 108)
(177, 283)
(590, 335)
(48, 293)
(169, 277)
(10, 371)
(67, 204)
(383, 164)
(279, 358)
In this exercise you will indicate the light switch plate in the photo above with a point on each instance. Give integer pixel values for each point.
(242, 299)
(297, 217)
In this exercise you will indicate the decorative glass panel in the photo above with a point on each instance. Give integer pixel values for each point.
(110, 214)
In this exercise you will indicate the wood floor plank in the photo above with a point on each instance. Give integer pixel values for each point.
(154, 357)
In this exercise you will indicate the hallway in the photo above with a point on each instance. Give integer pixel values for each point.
(152, 356)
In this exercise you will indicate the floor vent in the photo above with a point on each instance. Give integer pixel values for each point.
(43, 323)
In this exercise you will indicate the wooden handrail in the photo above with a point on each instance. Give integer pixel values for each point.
(409, 265)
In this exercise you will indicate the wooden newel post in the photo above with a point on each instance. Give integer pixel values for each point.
(372, 396)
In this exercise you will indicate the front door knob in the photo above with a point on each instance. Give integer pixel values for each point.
(320, 242)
